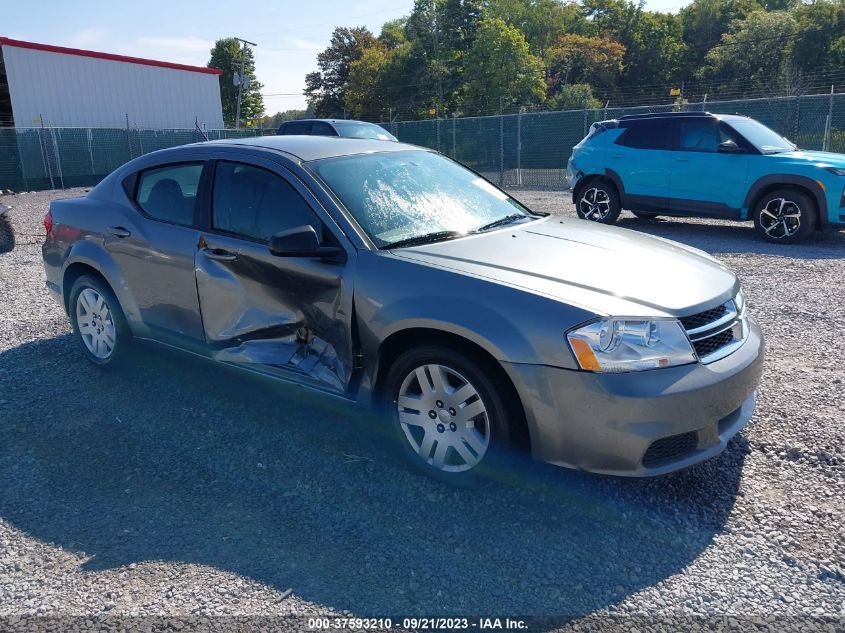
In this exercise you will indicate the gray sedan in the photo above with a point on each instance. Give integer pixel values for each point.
(391, 276)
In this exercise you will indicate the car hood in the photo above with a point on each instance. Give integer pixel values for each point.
(606, 270)
(816, 158)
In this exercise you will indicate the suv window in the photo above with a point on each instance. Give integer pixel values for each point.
(700, 135)
(256, 203)
(647, 134)
(170, 193)
(297, 127)
(319, 128)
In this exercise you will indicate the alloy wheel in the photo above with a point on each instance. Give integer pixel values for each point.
(780, 218)
(443, 418)
(594, 204)
(95, 322)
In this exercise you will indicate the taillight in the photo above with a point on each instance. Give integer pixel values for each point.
(48, 224)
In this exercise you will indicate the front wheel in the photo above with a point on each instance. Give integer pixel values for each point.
(598, 201)
(448, 416)
(785, 216)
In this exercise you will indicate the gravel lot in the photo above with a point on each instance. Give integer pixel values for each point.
(176, 490)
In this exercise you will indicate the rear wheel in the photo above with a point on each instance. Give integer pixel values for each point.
(598, 201)
(449, 418)
(98, 321)
(785, 216)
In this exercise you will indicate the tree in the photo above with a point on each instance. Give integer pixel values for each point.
(503, 69)
(277, 119)
(705, 21)
(585, 59)
(574, 97)
(754, 51)
(542, 22)
(365, 96)
(226, 55)
(324, 88)
(821, 24)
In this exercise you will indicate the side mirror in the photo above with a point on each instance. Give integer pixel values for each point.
(730, 147)
(302, 241)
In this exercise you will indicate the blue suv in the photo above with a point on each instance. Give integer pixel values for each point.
(706, 165)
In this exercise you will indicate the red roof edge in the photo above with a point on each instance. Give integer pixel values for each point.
(5, 41)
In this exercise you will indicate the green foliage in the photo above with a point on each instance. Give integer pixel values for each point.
(288, 115)
(503, 69)
(325, 87)
(754, 50)
(574, 97)
(466, 56)
(585, 59)
(226, 55)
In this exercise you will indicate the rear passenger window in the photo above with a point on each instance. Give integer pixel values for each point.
(169, 193)
(256, 203)
(298, 127)
(648, 134)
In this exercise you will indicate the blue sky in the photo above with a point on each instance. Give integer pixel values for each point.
(289, 34)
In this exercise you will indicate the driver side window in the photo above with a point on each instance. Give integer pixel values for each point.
(256, 203)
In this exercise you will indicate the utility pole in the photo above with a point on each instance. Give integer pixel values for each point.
(241, 81)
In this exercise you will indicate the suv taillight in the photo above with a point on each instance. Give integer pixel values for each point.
(48, 224)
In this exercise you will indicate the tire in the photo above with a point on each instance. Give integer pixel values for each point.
(785, 216)
(645, 215)
(100, 328)
(431, 430)
(598, 201)
(7, 235)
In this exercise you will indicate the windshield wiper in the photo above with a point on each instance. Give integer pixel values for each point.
(418, 240)
(500, 222)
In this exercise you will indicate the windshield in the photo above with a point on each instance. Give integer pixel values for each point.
(761, 137)
(402, 196)
(356, 129)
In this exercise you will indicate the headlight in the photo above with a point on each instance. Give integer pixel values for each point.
(837, 171)
(620, 345)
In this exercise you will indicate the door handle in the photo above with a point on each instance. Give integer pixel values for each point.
(682, 159)
(616, 155)
(119, 231)
(219, 254)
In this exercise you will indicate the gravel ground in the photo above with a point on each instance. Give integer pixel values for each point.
(175, 491)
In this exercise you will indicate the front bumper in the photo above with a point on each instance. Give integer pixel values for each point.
(609, 423)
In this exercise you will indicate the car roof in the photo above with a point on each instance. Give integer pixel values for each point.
(328, 121)
(316, 147)
(679, 115)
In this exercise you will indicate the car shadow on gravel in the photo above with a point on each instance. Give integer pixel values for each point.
(177, 460)
(738, 237)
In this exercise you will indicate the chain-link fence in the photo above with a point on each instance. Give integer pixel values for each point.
(529, 149)
(33, 159)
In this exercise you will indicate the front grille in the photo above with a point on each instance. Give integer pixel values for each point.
(703, 318)
(706, 346)
(670, 448)
(713, 330)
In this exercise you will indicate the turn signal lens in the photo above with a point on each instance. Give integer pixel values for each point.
(585, 355)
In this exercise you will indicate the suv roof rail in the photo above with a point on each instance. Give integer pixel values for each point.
(666, 115)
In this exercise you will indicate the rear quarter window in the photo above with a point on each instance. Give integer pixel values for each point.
(169, 193)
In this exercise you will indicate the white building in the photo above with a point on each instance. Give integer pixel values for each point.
(68, 87)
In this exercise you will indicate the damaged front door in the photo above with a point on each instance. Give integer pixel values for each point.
(289, 316)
